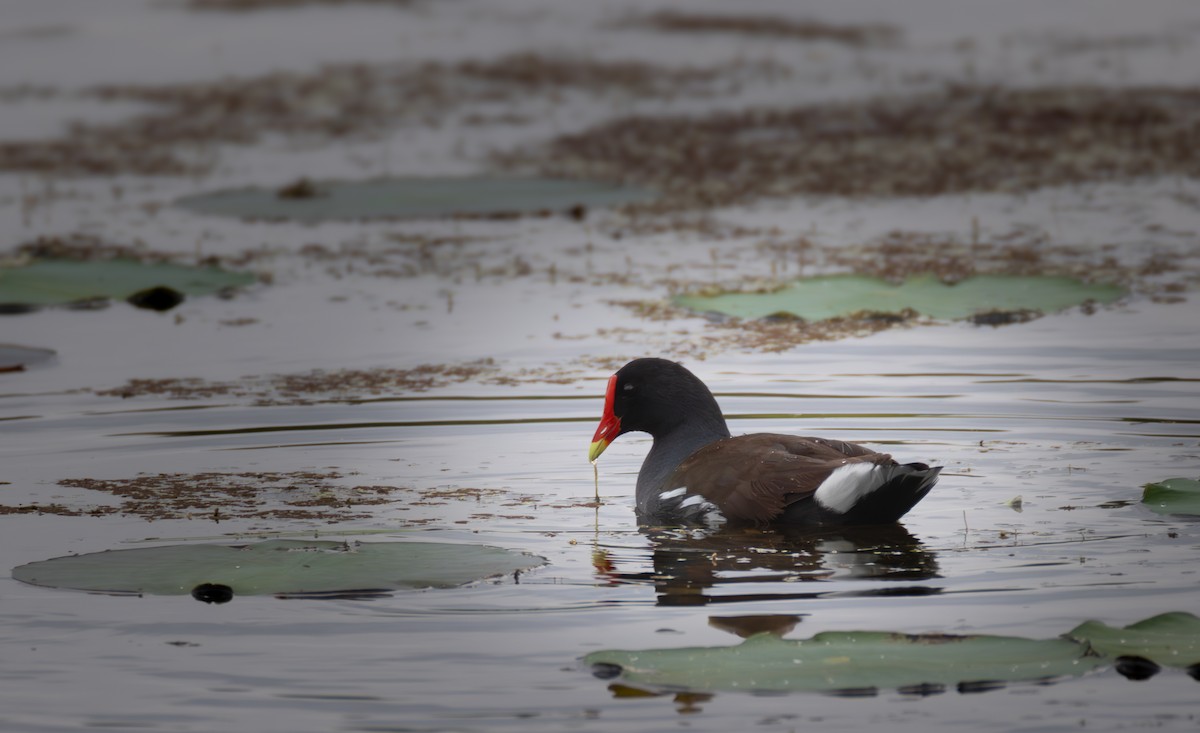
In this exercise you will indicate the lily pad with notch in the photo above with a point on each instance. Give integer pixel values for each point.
(278, 567)
(49, 282)
(413, 198)
(979, 297)
(1173, 496)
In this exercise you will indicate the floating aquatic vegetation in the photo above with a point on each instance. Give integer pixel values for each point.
(770, 26)
(398, 198)
(967, 138)
(216, 496)
(46, 282)
(863, 662)
(844, 661)
(835, 296)
(276, 567)
(1169, 639)
(1173, 496)
(15, 358)
(314, 386)
(248, 5)
(185, 123)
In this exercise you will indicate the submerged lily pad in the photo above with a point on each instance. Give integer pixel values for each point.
(15, 358)
(832, 296)
(277, 567)
(846, 661)
(1173, 496)
(1170, 639)
(390, 198)
(45, 282)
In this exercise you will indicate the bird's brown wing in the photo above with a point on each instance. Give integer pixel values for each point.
(755, 477)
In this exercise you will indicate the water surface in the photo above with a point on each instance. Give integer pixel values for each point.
(1073, 430)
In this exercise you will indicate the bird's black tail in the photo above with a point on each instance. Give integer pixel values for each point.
(908, 484)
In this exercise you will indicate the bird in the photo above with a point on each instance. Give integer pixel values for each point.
(698, 473)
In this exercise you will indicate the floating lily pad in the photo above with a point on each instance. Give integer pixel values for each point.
(57, 282)
(391, 198)
(821, 298)
(15, 358)
(1170, 639)
(1173, 496)
(277, 567)
(846, 661)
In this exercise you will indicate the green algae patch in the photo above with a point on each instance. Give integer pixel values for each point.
(412, 198)
(1173, 496)
(1170, 639)
(48, 282)
(840, 296)
(278, 567)
(843, 661)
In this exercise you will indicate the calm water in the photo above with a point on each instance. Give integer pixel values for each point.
(1039, 410)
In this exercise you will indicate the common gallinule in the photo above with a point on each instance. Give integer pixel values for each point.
(696, 472)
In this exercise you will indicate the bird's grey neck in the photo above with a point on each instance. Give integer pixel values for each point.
(665, 455)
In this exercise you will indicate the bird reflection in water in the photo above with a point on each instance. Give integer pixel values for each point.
(695, 569)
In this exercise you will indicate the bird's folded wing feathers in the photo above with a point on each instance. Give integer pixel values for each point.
(755, 477)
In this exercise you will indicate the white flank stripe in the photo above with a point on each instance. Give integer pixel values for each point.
(698, 508)
(847, 486)
(713, 517)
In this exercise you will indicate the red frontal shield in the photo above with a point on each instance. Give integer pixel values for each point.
(610, 424)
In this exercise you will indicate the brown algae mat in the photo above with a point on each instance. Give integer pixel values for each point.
(314, 495)
(338, 101)
(309, 387)
(766, 26)
(963, 139)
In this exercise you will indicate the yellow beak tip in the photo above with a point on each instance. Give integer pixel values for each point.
(595, 449)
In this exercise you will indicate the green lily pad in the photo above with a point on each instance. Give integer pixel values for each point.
(391, 198)
(846, 661)
(277, 567)
(1173, 496)
(832, 296)
(45, 282)
(1170, 639)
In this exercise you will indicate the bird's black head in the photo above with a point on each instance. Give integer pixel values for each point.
(655, 396)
